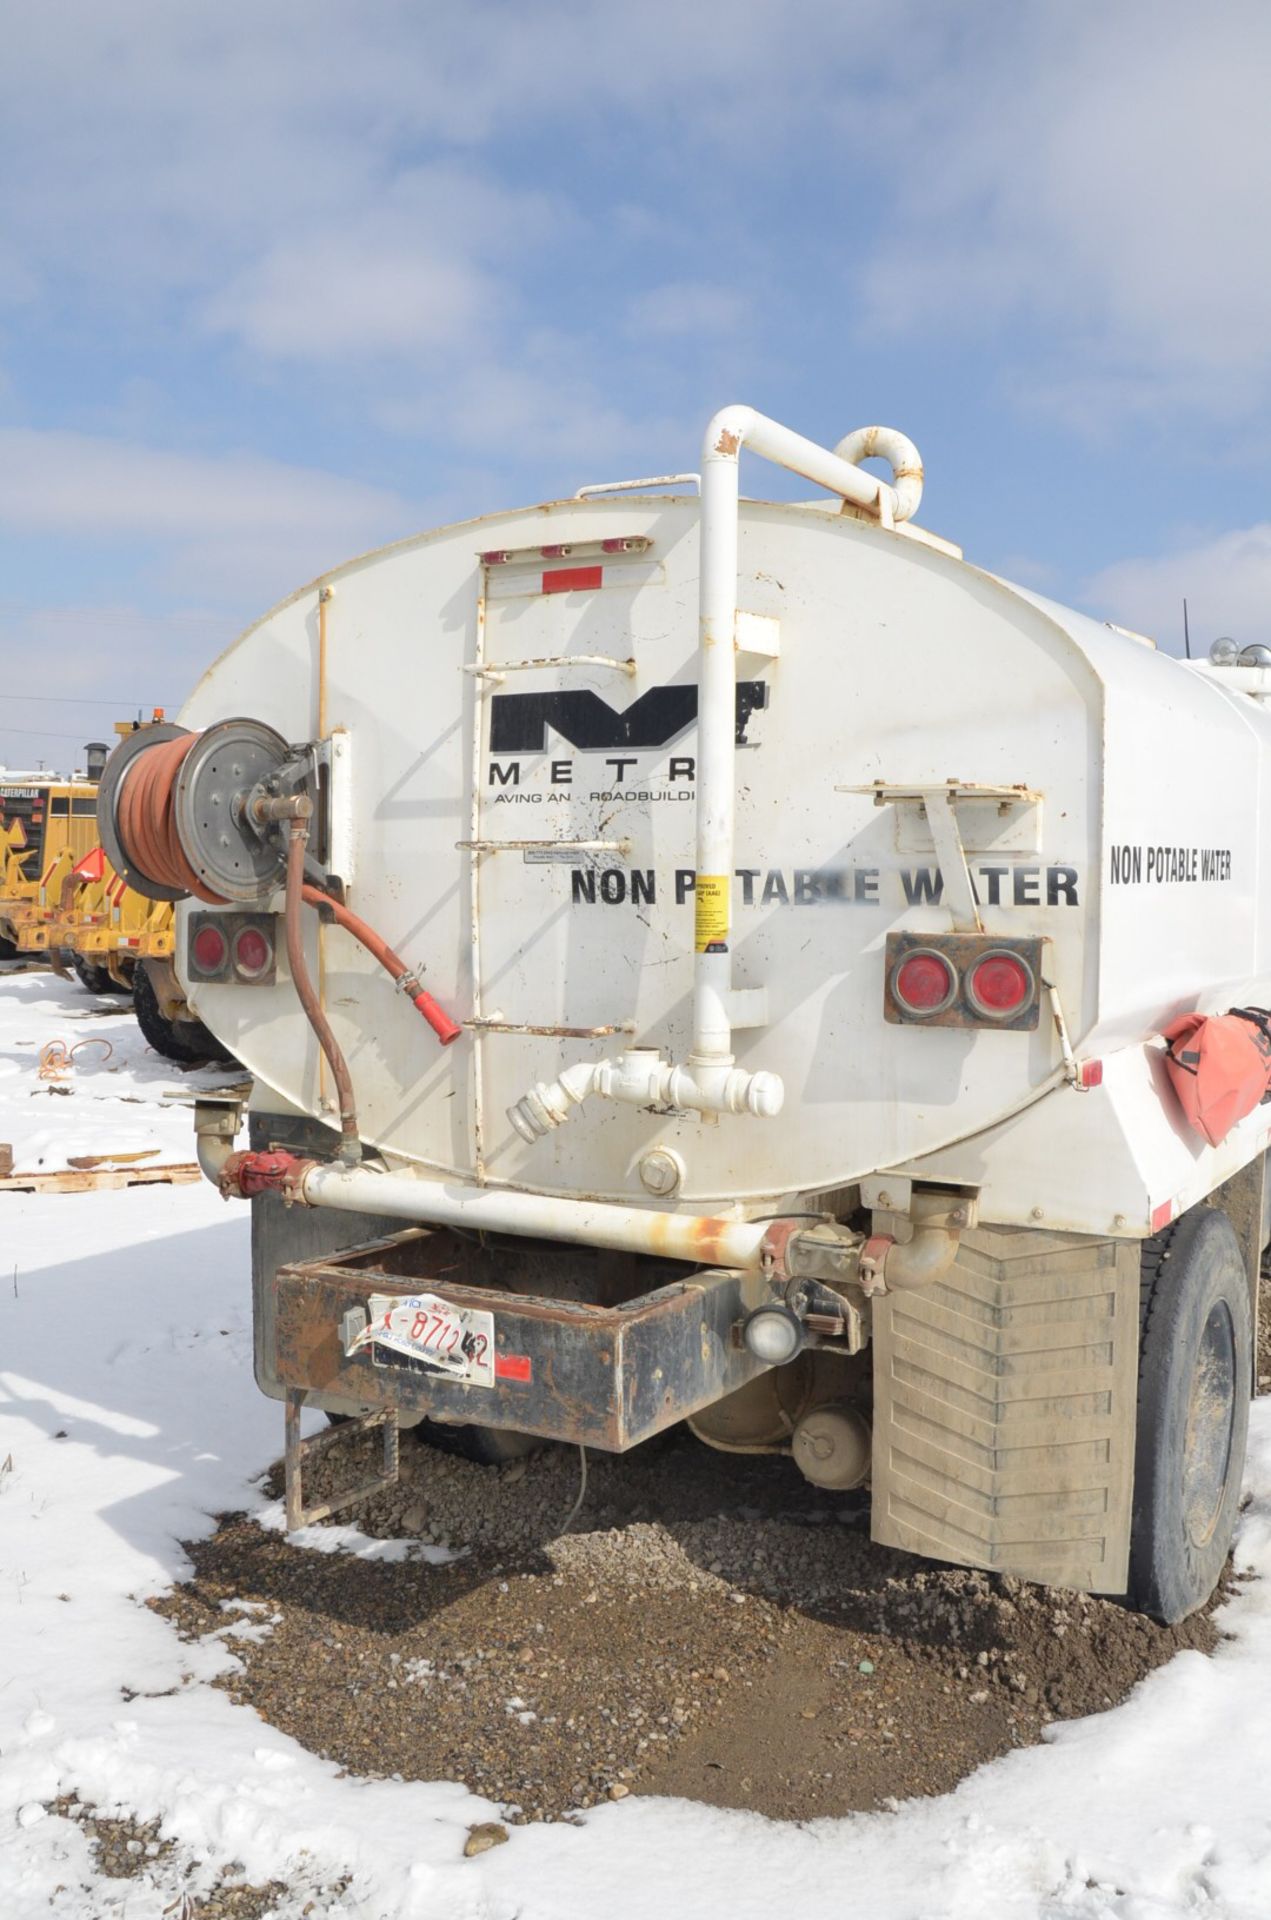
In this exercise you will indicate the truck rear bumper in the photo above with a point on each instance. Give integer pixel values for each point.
(602, 1376)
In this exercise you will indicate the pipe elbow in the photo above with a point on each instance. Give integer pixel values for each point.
(901, 455)
(550, 1103)
(922, 1260)
(726, 433)
(216, 1124)
(214, 1154)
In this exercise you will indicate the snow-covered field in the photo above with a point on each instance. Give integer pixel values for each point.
(116, 1098)
(129, 1418)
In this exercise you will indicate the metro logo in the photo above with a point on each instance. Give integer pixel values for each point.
(519, 722)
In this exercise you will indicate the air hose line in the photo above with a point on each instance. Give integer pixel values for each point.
(350, 1137)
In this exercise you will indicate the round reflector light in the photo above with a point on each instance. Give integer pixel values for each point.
(208, 949)
(1001, 984)
(774, 1334)
(924, 983)
(253, 953)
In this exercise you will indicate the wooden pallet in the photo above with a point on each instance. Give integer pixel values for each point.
(94, 1180)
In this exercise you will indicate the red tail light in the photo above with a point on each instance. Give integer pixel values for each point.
(1001, 985)
(253, 953)
(924, 983)
(209, 949)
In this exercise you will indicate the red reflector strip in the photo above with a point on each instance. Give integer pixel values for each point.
(513, 1366)
(572, 579)
(1090, 1074)
(1162, 1215)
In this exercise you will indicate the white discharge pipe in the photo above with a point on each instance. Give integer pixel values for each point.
(706, 1241)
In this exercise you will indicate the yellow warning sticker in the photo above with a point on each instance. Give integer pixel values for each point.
(711, 913)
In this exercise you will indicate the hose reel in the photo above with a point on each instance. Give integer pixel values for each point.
(224, 815)
(177, 810)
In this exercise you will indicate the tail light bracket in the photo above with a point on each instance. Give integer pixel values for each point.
(964, 952)
(231, 926)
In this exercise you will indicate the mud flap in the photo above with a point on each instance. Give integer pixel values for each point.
(1004, 1415)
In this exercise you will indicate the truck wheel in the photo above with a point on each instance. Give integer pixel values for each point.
(188, 1042)
(8, 948)
(488, 1446)
(1195, 1367)
(92, 979)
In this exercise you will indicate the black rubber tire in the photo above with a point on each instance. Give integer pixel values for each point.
(8, 948)
(92, 979)
(488, 1446)
(188, 1042)
(122, 987)
(1195, 1366)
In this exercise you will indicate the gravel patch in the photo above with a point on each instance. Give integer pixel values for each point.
(711, 1626)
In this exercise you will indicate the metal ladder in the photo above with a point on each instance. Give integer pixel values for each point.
(479, 847)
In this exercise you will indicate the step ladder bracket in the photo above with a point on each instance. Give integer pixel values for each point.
(298, 1451)
(495, 1023)
(557, 663)
(622, 847)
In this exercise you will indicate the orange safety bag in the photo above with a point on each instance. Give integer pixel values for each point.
(1219, 1065)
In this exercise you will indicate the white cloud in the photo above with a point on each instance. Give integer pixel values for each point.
(419, 268)
(236, 529)
(75, 483)
(1101, 174)
(340, 293)
(1226, 580)
(112, 660)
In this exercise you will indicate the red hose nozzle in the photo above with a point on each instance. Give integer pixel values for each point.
(438, 1019)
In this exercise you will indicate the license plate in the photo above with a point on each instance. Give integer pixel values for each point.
(421, 1331)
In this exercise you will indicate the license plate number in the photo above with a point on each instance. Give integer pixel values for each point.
(421, 1331)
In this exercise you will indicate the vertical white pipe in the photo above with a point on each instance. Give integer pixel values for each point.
(716, 738)
(727, 433)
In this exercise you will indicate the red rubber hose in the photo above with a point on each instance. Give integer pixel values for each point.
(438, 1019)
(146, 817)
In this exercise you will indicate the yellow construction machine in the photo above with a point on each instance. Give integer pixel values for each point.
(61, 898)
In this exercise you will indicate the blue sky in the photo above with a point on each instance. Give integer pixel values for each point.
(279, 282)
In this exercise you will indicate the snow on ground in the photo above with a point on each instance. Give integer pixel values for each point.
(117, 1097)
(129, 1418)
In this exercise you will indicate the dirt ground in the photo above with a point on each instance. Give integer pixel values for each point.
(711, 1626)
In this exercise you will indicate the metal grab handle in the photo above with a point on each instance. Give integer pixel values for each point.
(630, 486)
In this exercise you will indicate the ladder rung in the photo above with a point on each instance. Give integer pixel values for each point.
(494, 1025)
(499, 668)
(536, 846)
